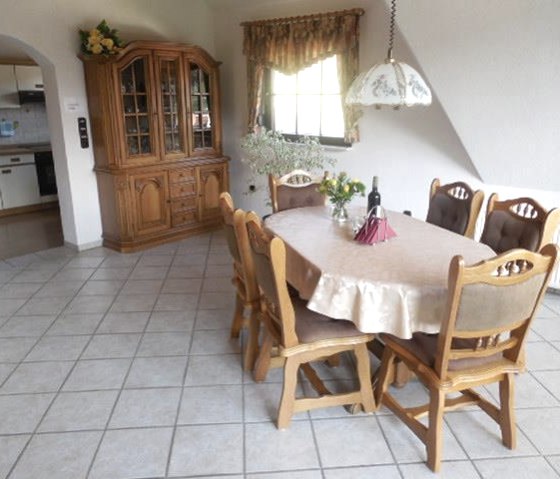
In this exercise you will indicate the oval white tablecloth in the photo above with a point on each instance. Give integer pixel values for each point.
(398, 286)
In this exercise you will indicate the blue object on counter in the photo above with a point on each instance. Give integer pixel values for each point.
(7, 128)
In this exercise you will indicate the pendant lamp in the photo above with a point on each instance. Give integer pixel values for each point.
(389, 83)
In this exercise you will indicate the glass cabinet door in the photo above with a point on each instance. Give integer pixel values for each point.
(139, 129)
(202, 109)
(171, 105)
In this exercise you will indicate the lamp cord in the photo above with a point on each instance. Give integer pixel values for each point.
(392, 28)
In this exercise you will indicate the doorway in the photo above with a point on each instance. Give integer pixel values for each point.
(30, 217)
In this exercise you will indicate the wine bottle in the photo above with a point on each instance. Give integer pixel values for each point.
(374, 198)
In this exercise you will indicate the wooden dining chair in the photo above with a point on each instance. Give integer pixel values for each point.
(302, 336)
(518, 223)
(294, 190)
(489, 310)
(244, 280)
(455, 207)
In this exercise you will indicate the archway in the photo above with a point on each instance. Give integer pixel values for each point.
(13, 48)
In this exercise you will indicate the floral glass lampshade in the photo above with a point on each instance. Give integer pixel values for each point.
(389, 83)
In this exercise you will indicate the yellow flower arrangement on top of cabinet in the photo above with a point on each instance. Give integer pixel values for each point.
(101, 40)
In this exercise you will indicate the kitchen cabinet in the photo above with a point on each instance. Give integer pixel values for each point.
(29, 78)
(156, 129)
(8, 87)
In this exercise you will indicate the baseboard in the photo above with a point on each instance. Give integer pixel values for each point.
(84, 246)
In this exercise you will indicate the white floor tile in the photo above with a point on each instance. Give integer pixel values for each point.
(11, 446)
(164, 344)
(62, 455)
(22, 412)
(169, 321)
(351, 442)
(449, 470)
(214, 369)
(516, 468)
(132, 453)
(38, 377)
(211, 404)
(156, 372)
(53, 348)
(480, 436)
(94, 374)
(146, 408)
(269, 449)
(541, 425)
(207, 450)
(408, 448)
(76, 411)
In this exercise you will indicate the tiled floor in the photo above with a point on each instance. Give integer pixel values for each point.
(120, 366)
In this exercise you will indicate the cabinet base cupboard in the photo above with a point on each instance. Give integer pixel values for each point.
(156, 128)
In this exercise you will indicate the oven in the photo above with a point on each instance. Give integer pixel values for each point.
(45, 173)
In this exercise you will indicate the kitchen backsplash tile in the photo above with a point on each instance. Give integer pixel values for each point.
(33, 126)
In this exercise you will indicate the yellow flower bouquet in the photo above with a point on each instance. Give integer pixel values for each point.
(101, 40)
(340, 190)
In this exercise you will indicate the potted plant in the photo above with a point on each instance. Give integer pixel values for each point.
(268, 152)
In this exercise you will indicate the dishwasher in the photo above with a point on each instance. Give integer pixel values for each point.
(18, 181)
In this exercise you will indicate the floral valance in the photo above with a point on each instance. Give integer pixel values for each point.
(291, 44)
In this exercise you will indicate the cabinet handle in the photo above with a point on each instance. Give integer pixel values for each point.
(6, 172)
(15, 160)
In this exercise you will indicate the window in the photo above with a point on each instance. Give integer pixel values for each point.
(307, 103)
(327, 41)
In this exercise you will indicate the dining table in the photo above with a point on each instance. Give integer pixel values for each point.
(398, 286)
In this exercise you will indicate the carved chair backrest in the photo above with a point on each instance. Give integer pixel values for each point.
(294, 190)
(490, 307)
(518, 223)
(455, 207)
(238, 245)
(269, 258)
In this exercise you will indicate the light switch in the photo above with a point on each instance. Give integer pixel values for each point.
(82, 130)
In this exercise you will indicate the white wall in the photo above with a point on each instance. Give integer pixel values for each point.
(405, 148)
(495, 67)
(48, 32)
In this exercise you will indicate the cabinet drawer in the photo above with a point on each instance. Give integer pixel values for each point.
(184, 174)
(183, 189)
(184, 218)
(183, 204)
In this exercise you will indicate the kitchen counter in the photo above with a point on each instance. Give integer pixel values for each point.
(24, 148)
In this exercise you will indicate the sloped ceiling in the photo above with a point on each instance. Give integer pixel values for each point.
(495, 67)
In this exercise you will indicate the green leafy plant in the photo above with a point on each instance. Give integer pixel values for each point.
(268, 152)
(341, 189)
(101, 40)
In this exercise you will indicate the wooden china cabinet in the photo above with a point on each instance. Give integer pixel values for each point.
(156, 128)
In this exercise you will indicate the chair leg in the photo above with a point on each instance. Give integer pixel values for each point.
(434, 437)
(262, 364)
(507, 412)
(286, 408)
(252, 347)
(385, 374)
(237, 321)
(364, 376)
(402, 375)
